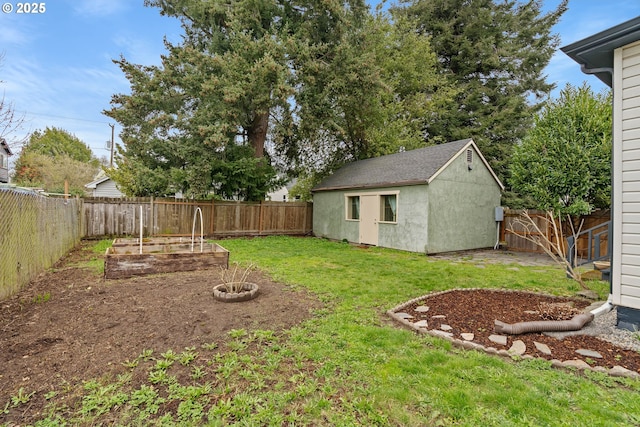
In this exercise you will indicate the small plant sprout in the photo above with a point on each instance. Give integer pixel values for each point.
(238, 333)
(265, 336)
(169, 355)
(130, 363)
(197, 373)
(158, 376)
(146, 354)
(21, 398)
(163, 364)
(237, 345)
(234, 279)
(187, 356)
(209, 346)
(42, 298)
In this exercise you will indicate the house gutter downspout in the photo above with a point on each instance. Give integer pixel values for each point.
(586, 70)
(608, 305)
(604, 308)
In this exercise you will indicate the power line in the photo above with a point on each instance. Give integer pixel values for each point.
(62, 117)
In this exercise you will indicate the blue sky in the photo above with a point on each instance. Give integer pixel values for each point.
(58, 71)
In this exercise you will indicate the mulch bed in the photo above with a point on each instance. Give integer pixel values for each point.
(474, 311)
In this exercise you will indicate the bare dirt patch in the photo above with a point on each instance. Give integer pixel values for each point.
(70, 324)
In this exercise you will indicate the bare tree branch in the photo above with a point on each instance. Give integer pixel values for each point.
(554, 244)
(10, 121)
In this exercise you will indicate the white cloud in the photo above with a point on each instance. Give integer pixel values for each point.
(71, 98)
(16, 31)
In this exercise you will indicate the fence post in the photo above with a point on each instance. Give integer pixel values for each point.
(261, 220)
(213, 218)
(152, 224)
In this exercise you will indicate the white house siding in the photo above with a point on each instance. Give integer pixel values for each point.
(280, 195)
(107, 189)
(626, 179)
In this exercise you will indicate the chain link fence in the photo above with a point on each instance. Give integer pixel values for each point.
(35, 232)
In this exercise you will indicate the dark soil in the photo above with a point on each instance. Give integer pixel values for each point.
(474, 311)
(71, 324)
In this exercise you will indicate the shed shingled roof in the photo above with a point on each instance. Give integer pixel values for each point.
(406, 168)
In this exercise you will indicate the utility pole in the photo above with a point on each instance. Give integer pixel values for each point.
(112, 132)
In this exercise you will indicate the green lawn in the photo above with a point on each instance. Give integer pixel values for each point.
(350, 366)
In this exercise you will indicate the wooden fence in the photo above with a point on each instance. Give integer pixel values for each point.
(517, 243)
(174, 217)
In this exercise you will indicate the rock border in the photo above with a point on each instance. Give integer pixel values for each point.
(250, 291)
(616, 371)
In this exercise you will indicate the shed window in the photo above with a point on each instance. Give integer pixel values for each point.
(389, 207)
(4, 162)
(353, 207)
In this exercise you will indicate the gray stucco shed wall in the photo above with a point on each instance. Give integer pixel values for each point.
(462, 206)
(329, 218)
(409, 233)
(448, 209)
(455, 212)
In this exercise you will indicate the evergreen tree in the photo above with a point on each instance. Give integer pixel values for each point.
(214, 91)
(360, 93)
(321, 82)
(494, 52)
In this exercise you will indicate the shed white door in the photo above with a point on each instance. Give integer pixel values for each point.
(369, 213)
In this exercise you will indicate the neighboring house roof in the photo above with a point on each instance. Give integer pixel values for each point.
(5, 146)
(412, 167)
(94, 184)
(595, 53)
(103, 186)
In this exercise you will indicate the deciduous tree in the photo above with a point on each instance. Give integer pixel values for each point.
(564, 162)
(10, 121)
(55, 142)
(53, 156)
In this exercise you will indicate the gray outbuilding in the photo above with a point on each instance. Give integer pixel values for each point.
(435, 199)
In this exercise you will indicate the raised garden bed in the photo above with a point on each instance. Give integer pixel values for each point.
(161, 255)
(155, 241)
